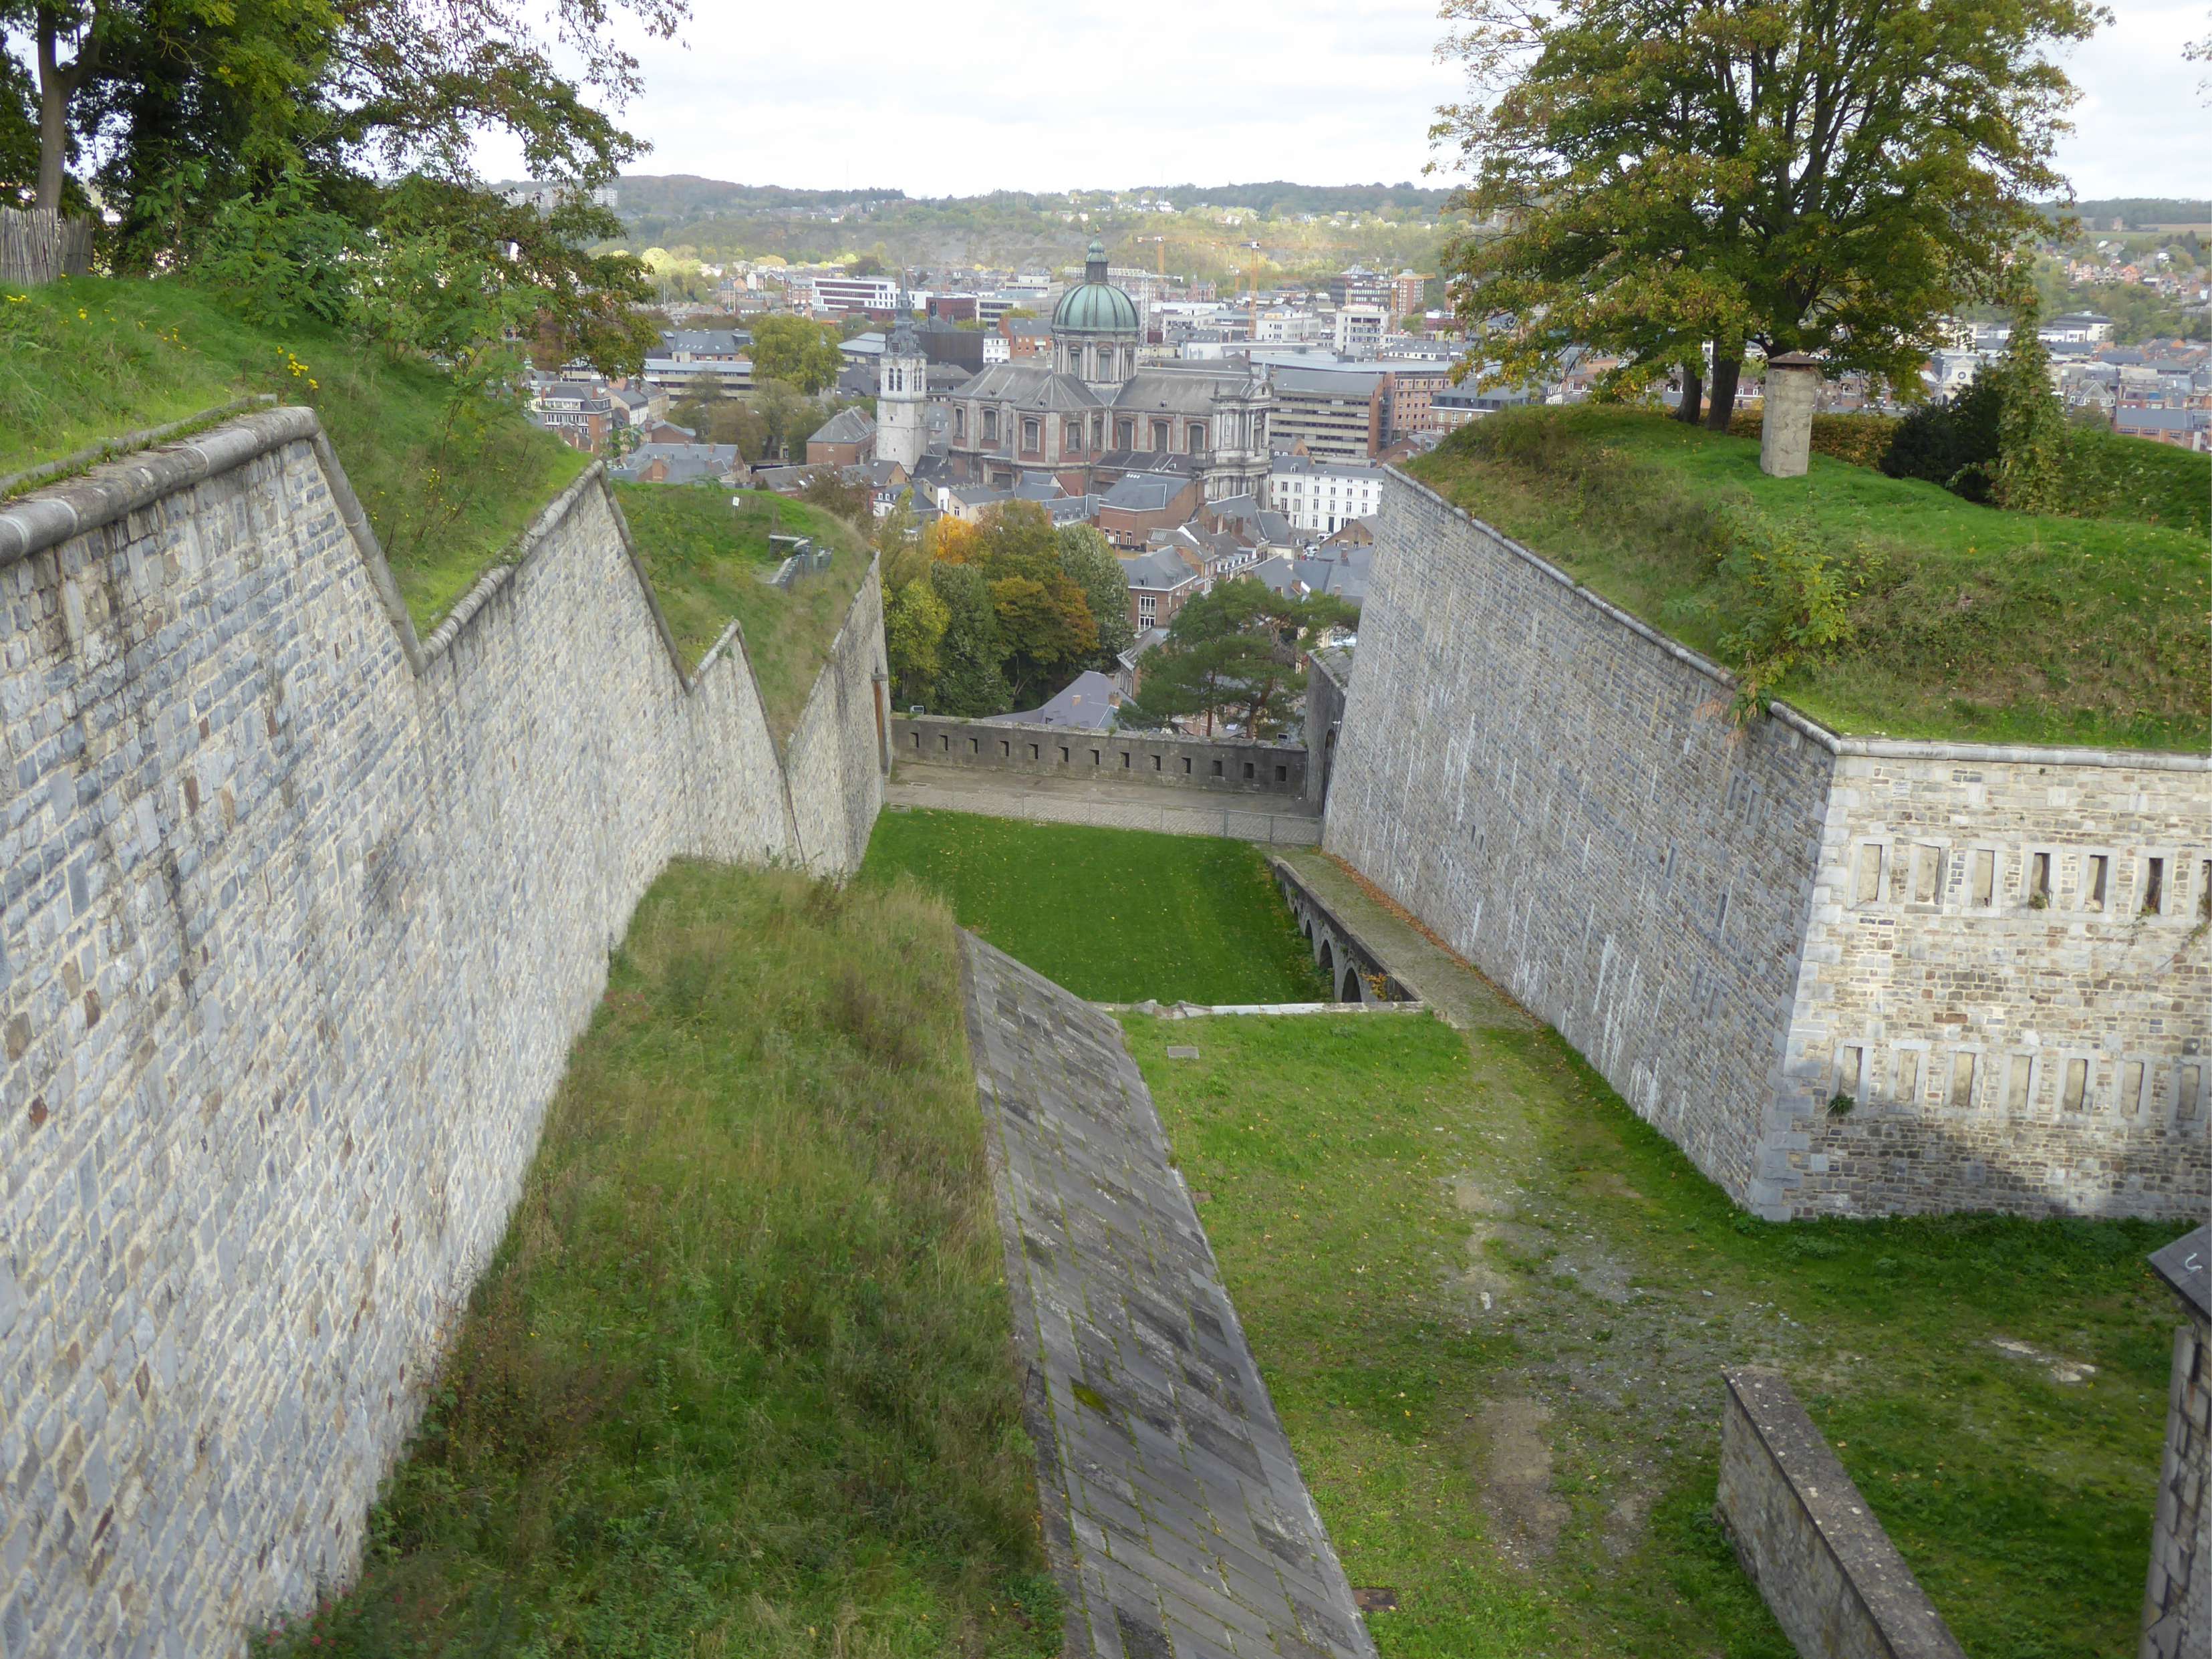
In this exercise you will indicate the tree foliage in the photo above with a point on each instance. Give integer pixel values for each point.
(1235, 655)
(1087, 557)
(802, 354)
(1829, 176)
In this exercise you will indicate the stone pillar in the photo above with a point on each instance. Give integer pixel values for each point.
(1785, 432)
(2176, 1620)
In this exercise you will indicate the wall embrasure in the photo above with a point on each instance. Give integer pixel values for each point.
(298, 922)
(1557, 789)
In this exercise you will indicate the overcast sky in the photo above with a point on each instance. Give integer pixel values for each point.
(973, 96)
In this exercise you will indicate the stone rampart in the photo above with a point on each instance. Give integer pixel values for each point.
(1835, 1582)
(1220, 765)
(1355, 969)
(300, 916)
(1777, 943)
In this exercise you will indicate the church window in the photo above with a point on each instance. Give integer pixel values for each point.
(1125, 434)
(1195, 438)
(1031, 436)
(1098, 432)
(1160, 435)
(990, 426)
(1071, 434)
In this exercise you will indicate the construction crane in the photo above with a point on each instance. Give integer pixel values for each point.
(1160, 253)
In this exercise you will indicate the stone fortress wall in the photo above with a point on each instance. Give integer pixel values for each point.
(299, 919)
(1738, 925)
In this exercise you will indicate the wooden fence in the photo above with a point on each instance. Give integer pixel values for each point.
(38, 247)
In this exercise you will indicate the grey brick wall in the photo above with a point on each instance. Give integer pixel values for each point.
(1823, 1563)
(298, 922)
(1556, 790)
(1223, 766)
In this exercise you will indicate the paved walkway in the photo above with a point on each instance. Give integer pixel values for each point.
(1461, 997)
(1177, 1521)
(1276, 820)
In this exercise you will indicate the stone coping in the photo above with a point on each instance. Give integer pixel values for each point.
(2186, 1265)
(1836, 743)
(1202, 1010)
(1904, 1621)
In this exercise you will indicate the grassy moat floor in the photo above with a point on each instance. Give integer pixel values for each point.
(1116, 915)
(739, 1380)
(1492, 1305)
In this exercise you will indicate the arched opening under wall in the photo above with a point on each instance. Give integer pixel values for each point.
(1351, 985)
(1329, 966)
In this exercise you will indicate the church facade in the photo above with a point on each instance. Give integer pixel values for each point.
(1089, 415)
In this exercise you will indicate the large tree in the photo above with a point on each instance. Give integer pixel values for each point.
(1235, 655)
(1088, 559)
(797, 352)
(1662, 177)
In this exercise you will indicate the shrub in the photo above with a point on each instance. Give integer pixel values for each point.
(1861, 439)
(1953, 443)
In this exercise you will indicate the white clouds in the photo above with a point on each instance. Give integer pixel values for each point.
(985, 95)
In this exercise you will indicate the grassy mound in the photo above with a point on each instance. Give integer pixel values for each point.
(738, 1381)
(1492, 1305)
(1114, 915)
(448, 481)
(1961, 621)
(706, 559)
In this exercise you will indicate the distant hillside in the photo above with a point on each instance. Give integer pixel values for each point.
(1210, 233)
(2135, 212)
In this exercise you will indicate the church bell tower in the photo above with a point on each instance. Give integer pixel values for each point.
(902, 399)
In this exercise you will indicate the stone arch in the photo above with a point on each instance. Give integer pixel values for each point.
(1327, 960)
(1353, 989)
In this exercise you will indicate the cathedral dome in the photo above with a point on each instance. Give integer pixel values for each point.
(1097, 306)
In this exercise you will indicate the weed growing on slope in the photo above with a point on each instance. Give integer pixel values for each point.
(740, 1379)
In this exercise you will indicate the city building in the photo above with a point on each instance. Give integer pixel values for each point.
(836, 292)
(1336, 414)
(1090, 411)
(1358, 329)
(902, 399)
(1321, 496)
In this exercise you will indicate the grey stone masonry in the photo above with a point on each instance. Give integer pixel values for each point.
(2178, 1593)
(1354, 969)
(1230, 765)
(1835, 1582)
(1177, 1521)
(299, 917)
(1104, 802)
(1847, 976)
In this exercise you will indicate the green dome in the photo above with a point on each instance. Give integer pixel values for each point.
(1097, 306)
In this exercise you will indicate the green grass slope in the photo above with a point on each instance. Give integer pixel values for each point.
(1492, 1305)
(1117, 915)
(740, 1379)
(448, 482)
(1965, 622)
(706, 559)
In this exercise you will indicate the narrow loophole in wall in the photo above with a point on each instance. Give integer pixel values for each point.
(1927, 874)
(2077, 1094)
(2039, 880)
(1063, 754)
(2098, 872)
(2204, 889)
(2188, 1094)
(1851, 1065)
(1984, 888)
(1908, 1075)
(1249, 773)
(1962, 1080)
(1034, 752)
(1095, 758)
(1867, 889)
(1126, 760)
(2018, 1075)
(2153, 892)
(1217, 768)
(1156, 762)
(1185, 766)
(1005, 750)
(2132, 1086)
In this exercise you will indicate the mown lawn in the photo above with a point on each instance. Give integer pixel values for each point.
(739, 1380)
(449, 480)
(1492, 1306)
(1117, 915)
(1965, 622)
(706, 559)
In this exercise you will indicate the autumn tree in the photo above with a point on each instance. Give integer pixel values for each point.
(1235, 655)
(1671, 176)
(1088, 559)
(802, 354)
